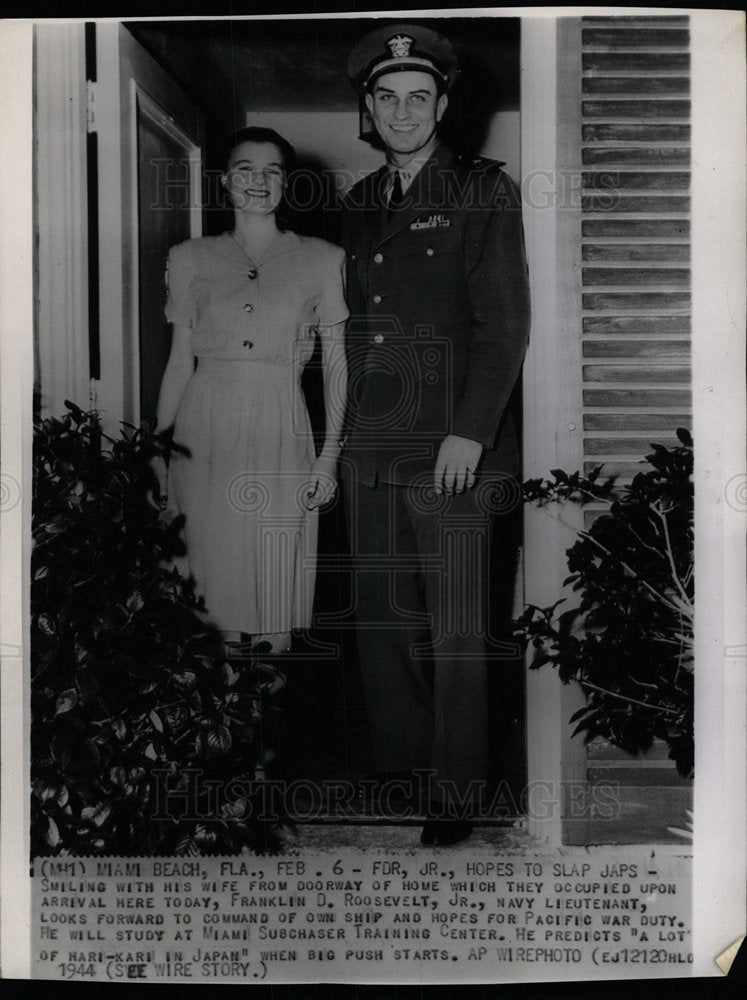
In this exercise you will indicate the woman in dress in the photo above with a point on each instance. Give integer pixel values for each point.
(248, 306)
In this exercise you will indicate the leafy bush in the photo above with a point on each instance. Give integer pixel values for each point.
(629, 643)
(144, 739)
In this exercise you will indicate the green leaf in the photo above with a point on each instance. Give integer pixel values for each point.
(203, 837)
(185, 679)
(96, 814)
(234, 810)
(66, 701)
(44, 792)
(580, 712)
(52, 835)
(117, 775)
(219, 739)
(685, 437)
(135, 602)
(230, 675)
(585, 724)
(186, 847)
(540, 660)
(47, 624)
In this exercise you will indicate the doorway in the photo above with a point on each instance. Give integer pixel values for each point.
(324, 732)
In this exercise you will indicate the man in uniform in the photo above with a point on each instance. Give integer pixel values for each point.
(438, 295)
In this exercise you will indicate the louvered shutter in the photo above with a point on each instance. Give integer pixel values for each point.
(635, 309)
(635, 153)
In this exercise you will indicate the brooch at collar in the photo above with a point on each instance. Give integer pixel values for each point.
(434, 221)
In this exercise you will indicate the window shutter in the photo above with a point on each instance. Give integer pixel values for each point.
(635, 261)
(635, 237)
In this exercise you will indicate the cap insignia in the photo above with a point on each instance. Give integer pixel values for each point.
(400, 45)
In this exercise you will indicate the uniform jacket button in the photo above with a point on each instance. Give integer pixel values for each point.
(377, 298)
(379, 338)
(429, 251)
(248, 307)
(378, 257)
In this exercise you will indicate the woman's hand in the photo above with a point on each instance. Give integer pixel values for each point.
(322, 481)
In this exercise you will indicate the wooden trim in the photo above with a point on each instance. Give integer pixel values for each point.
(551, 102)
(60, 219)
(113, 387)
(127, 74)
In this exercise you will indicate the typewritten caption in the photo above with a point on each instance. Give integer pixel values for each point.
(604, 913)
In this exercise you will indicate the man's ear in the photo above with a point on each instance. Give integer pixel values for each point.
(443, 103)
(369, 101)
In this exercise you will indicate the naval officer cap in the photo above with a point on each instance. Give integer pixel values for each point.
(402, 47)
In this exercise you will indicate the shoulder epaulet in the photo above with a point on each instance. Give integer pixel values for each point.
(482, 163)
(488, 182)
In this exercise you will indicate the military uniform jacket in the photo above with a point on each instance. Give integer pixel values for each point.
(439, 305)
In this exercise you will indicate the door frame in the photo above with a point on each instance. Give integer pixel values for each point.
(127, 79)
(557, 787)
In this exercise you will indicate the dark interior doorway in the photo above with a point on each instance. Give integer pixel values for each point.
(232, 69)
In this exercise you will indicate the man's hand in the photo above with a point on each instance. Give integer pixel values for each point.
(456, 463)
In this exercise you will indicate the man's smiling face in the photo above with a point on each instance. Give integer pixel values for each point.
(405, 108)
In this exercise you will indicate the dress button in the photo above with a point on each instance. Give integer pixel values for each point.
(377, 298)
(379, 338)
(248, 307)
(378, 257)
(247, 343)
(429, 251)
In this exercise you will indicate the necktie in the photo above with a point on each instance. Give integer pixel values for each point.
(396, 195)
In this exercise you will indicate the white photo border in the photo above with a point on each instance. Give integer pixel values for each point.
(718, 269)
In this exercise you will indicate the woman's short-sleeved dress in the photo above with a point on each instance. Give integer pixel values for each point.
(251, 542)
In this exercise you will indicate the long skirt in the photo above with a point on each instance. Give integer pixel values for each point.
(251, 542)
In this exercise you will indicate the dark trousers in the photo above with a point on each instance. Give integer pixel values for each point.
(421, 600)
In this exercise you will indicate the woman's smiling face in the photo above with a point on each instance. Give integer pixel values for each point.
(255, 177)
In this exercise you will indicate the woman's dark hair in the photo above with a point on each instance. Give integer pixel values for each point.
(257, 133)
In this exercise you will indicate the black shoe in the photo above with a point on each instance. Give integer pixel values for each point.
(445, 832)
